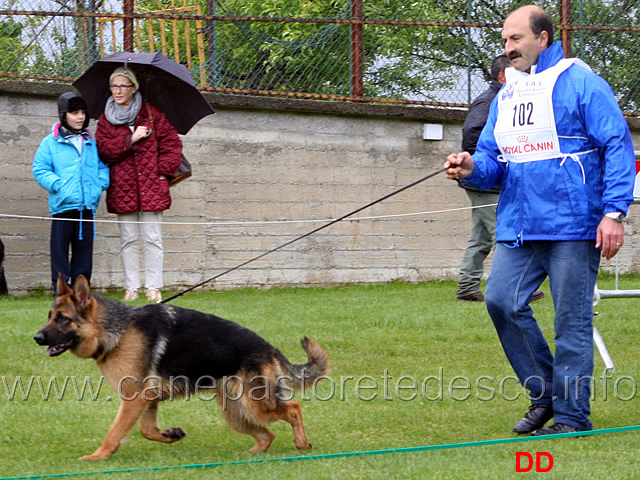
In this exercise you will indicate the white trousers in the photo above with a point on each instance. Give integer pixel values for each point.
(150, 229)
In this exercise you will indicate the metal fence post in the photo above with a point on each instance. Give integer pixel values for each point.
(212, 46)
(357, 14)
(565, 20)
(469, 54)
(127, 41)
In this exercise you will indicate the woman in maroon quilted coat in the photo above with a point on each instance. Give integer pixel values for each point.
(141, 147)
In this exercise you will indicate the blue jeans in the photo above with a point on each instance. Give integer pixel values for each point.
(563, 380)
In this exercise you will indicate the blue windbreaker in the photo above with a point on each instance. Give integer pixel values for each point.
(74, 181)
(563, 198)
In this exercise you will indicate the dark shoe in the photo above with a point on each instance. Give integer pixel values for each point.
(537, 295)
(534, 419)
(472, 297)
(556, 428)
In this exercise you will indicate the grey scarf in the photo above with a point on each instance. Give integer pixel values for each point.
(117, 115)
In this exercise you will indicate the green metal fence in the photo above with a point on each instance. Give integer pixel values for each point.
(424, 52)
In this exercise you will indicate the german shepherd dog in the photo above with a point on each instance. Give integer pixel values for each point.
(158, 352)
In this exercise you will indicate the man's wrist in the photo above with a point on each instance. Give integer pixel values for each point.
(617, 216)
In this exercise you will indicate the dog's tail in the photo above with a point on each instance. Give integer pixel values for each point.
(316, 367)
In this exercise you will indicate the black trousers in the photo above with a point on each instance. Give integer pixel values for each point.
(71, 246)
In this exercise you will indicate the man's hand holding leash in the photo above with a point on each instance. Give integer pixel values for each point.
(459, 165)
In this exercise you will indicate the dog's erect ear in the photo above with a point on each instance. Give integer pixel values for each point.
(81, 290)
(61, 286)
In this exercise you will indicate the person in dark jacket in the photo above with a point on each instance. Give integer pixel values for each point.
(67, 166)
(483, 202)
(142, 148)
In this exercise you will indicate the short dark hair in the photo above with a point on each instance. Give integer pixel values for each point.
(542, 22)
(498, 65)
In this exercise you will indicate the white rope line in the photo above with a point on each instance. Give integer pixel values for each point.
(251, 223)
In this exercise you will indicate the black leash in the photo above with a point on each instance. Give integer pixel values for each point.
(179, 294)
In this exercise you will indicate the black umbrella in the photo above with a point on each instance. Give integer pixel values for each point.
(163, 82)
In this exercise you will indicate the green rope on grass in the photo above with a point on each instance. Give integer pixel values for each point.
(328, 456)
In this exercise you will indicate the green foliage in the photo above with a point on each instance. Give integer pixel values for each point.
(292, 46)
(612, 54)
(406, 330)
(10, 46)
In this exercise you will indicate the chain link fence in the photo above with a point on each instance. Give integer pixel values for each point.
(423, 52)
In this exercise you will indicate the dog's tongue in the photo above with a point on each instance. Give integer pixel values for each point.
(56, 350)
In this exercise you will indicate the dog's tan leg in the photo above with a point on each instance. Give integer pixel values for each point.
(263, 437)
(128, 414)
(242, 421)
(149, 427)
(293, 414)
(289, 412)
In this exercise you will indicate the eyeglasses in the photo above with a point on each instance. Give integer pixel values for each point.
(120, 87)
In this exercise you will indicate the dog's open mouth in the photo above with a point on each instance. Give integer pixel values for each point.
(56, 350)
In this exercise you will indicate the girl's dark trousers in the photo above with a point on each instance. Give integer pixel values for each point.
(71, 245)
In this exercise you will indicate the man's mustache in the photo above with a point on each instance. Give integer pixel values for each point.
(514, 55)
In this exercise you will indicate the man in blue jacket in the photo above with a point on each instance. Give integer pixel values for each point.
(67, 166)
(559, 146)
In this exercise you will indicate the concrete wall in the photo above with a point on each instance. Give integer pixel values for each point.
(265, 172)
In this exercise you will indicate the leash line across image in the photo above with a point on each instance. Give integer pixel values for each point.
(315, 230)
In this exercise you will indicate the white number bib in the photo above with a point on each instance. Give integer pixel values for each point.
(525, 130)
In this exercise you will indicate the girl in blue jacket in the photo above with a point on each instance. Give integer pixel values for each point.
(68, 167)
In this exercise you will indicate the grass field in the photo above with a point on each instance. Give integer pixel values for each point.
(411, 367)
